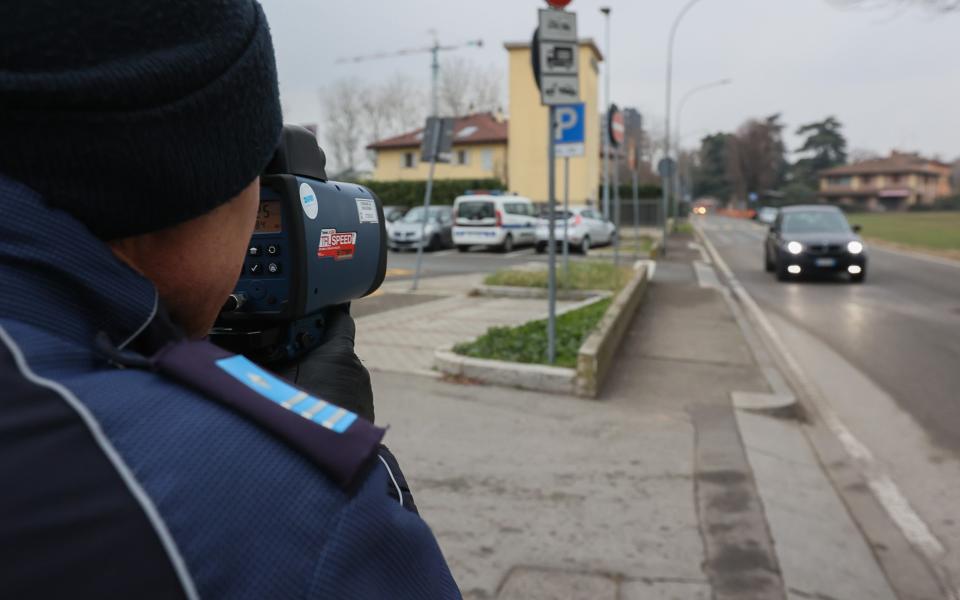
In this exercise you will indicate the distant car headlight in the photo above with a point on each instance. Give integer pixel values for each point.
(794, 247)
(854, 247)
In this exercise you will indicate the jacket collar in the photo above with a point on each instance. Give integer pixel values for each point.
(55, 275)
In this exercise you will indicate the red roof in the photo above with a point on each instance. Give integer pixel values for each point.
(479, 128)
(897, 162)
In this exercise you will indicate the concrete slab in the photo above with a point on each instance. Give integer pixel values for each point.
(539, 584)
(508, 478)
(822, 553)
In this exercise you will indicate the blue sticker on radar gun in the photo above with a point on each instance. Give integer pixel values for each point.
(267, 385)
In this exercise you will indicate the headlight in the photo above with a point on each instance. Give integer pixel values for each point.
(854, 247)
(794, 247)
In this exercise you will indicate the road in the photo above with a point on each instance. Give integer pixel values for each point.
(886, 357)
(901, 328)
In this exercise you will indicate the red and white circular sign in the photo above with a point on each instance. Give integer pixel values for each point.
(618, 129)
(559, 3)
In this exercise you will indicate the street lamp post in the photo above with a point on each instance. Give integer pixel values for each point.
(666, 130)
(680, 106)
(603, 125)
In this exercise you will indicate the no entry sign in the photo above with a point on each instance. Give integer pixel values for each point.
(616, 125)
(559, 3)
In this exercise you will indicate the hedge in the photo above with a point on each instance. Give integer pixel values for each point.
(410, 193)
(626, 191)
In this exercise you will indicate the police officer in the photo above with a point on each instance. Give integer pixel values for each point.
(136, 459)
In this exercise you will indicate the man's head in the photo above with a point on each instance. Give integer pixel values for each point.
(149, 122)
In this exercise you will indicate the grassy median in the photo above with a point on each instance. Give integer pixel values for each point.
(938, 231)
(583, 276)
(527, 343)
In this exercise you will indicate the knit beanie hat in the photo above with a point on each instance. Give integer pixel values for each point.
(136, 115)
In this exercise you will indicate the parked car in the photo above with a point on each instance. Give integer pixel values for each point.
(392, 214)
(501, 222)
(814, 239)
(767, 214)
(438, 234)
(585, 226)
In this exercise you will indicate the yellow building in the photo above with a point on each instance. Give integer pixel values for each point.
(479, 152)
(893, 183)
(527, 153)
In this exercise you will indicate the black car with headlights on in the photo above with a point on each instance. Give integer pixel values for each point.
(806, 240)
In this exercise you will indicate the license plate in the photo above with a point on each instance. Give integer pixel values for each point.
(826, 262)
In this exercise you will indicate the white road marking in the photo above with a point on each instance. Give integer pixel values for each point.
(706, 276)
(884, 489)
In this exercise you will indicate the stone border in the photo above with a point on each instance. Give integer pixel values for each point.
(595, 358)
(544, 378)
(535, 293)
(598, 351)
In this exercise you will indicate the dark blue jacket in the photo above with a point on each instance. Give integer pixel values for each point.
(127, 483)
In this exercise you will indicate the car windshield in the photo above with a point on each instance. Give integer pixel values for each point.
(416, 214)
(815, 221)
(560, 214)
(476, 210)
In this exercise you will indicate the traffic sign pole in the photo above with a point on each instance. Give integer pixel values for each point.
(566, 219)
(552, 243)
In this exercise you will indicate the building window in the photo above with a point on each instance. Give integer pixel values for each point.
(409, 160)
(867, 179)
(894, 179)
(463, 157)
(486, 159)
(840, 181)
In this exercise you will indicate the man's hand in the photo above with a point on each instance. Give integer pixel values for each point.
(332, 371)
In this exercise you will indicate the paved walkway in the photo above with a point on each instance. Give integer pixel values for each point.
(404, 340)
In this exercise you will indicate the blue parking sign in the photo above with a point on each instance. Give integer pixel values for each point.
(569, 136)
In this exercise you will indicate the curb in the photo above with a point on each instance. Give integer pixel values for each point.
(534, 293)
(543, 378)
(597, 352)
(594, 359)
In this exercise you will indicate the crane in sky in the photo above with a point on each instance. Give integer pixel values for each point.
(434, 50)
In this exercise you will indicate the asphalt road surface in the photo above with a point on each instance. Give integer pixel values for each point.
(901, 327)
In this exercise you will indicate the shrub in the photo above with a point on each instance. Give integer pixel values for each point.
(410, 193)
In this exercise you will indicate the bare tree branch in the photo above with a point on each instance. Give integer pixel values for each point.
(342, 123)
(468, 88)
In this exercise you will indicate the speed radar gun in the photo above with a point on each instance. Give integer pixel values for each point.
(317, 244)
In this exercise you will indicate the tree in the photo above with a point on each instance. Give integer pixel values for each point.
(710, 178)
(824, 147)
(343, 117)
(467, 88)
(756, 160)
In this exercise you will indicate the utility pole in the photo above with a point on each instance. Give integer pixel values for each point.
(606, 93)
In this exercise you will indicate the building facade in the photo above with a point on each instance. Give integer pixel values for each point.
(896, 182)
(479, 152)
(527, 151)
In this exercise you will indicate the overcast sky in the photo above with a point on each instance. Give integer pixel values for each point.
(892, 78)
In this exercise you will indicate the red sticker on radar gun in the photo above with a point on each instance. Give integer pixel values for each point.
(337, 245)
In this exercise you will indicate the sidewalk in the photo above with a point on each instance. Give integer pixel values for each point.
(659, 490)
(404, 340)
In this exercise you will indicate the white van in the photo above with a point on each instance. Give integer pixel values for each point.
(501, 222)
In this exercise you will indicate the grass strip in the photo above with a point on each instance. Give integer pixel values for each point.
(583, 276)
(929, 230)
(527, 343)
